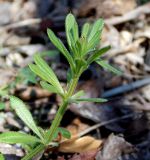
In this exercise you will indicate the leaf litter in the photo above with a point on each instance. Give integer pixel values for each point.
(127, 31)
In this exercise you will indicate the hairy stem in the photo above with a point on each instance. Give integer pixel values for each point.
(34, 152)
(72, 86)
(61, 111)
(56, 122)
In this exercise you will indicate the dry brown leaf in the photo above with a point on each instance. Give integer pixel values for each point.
(79, 145)
(77, 126)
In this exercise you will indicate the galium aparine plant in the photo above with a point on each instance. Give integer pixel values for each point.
(81, 53)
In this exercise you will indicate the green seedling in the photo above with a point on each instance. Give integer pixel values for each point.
(83, 51)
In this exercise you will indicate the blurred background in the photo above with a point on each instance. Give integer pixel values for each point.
(23, 33)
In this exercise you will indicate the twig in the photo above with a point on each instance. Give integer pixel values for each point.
(22, 23)
(103, 124)
(99, 125)
(126, 88)
(129, 48)
(145, 9)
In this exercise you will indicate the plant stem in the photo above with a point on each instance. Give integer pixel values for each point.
(34, 152)
(61, 111)
(72, 86)
(56, 122)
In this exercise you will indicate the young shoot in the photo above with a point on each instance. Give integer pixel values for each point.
(81, 53)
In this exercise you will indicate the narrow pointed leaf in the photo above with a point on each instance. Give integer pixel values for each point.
(84, 47)
(94, 41)
(68, 25)
(72, 34)
(107, 66)
(75, 50)
(59, 45)
(28, 75)
(69, 75)
(97, 100)
(69, 22)
(17, 137)
(44, 67)
(97, 54)
(34, 68)
(70, 41)
(24, 114)
(78, 48)
(37, 150)
(64, 132)
(75, 32)
(78, 94)
(97, 26)
(27, 147)
(71, 27)
(85, 30)
(49, 87)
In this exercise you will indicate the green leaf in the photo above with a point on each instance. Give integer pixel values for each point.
(72, 34)
(17, 137)
(94, 41)
(44, 67)
(2, 157)
(34, 68)
(78, 94)
(69, 22)
(84, 48)
(71, 27)
(49, 87)
(107, 66)
(2, 105)
(24, 114)
(77, 49)
(75, 31)
(97, 100)
(70, 40)
(97, 54)
(27, 147)
(28, 75)
(97, 26)
(85, 30)
(50, 53)
(34, 152)
(59, 45)
(4, 90)
(69, 75)
(64, 132)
